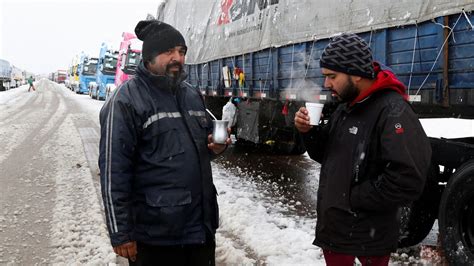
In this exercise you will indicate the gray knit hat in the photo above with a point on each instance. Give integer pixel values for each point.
(350, 54)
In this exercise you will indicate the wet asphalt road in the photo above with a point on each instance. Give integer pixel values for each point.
(293, 177)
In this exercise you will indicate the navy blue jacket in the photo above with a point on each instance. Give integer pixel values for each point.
(154, 163)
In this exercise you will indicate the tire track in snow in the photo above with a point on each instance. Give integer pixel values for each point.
(14, 109)
(34, 127)
(27, 192)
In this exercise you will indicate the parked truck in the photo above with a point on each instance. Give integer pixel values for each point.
(87, 71)
(16, 77)
(73, 74)
(129, 55)
(60, 76)
(263, 55)
(5, 74)
(105, 75)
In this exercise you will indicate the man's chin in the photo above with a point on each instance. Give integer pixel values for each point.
(174, 74)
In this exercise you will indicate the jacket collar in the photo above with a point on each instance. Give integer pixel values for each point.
(385, 80)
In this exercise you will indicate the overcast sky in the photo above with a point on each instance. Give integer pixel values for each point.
(42, 36)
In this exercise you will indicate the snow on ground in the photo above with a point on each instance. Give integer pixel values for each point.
(66, 190)
(15, 134)
(261, 224)
(449, 128)
(89, 105)
(78, 230)
(10, 96)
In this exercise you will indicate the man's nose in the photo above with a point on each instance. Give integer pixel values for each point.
(327, 84)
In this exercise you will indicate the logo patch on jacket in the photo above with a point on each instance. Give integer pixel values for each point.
(399, 129)
(353, 130)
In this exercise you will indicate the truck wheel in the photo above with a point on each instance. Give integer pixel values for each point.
(417, 219)
(456, 216)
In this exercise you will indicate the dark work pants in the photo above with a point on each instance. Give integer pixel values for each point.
(339, 259)
(181, 255)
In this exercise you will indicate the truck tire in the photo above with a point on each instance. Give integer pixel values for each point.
(456, 216)
(417, 219)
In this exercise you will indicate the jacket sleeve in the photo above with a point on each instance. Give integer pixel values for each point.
(405, 155)
(315, 142)
(117, 147)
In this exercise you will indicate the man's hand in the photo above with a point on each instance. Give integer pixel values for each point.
(302, 120)
(127, 250)
(218, 148)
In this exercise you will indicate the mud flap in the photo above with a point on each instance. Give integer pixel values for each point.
(248, 122)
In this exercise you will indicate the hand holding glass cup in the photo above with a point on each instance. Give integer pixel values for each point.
(219, 139)
(219, 131)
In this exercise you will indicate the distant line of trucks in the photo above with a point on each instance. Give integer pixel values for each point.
(99, 76)
(59, 76)
(11, 76)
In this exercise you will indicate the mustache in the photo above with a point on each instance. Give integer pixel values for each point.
(174, 64)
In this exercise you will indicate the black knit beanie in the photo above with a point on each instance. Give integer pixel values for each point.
(157, 37)
(350, 54)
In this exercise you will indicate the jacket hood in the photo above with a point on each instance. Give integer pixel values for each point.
(385, 79)
(162, 82)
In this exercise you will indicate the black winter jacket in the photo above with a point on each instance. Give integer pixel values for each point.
(154, 163)
(375, 157)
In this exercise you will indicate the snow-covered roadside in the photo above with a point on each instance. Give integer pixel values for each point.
(258, 226)
(10, 96)
(79, 234)
(88, 105)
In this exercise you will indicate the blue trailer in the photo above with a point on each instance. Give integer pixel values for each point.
(276, 46)
(264, 56)
(87, 72)
(105, 76)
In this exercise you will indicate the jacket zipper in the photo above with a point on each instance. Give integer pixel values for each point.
(357, 173)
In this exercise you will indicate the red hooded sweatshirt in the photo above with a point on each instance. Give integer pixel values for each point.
(384, 80)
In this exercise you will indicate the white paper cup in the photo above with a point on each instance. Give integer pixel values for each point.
(314, 112)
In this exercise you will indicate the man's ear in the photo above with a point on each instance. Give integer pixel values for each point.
(355, 79)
